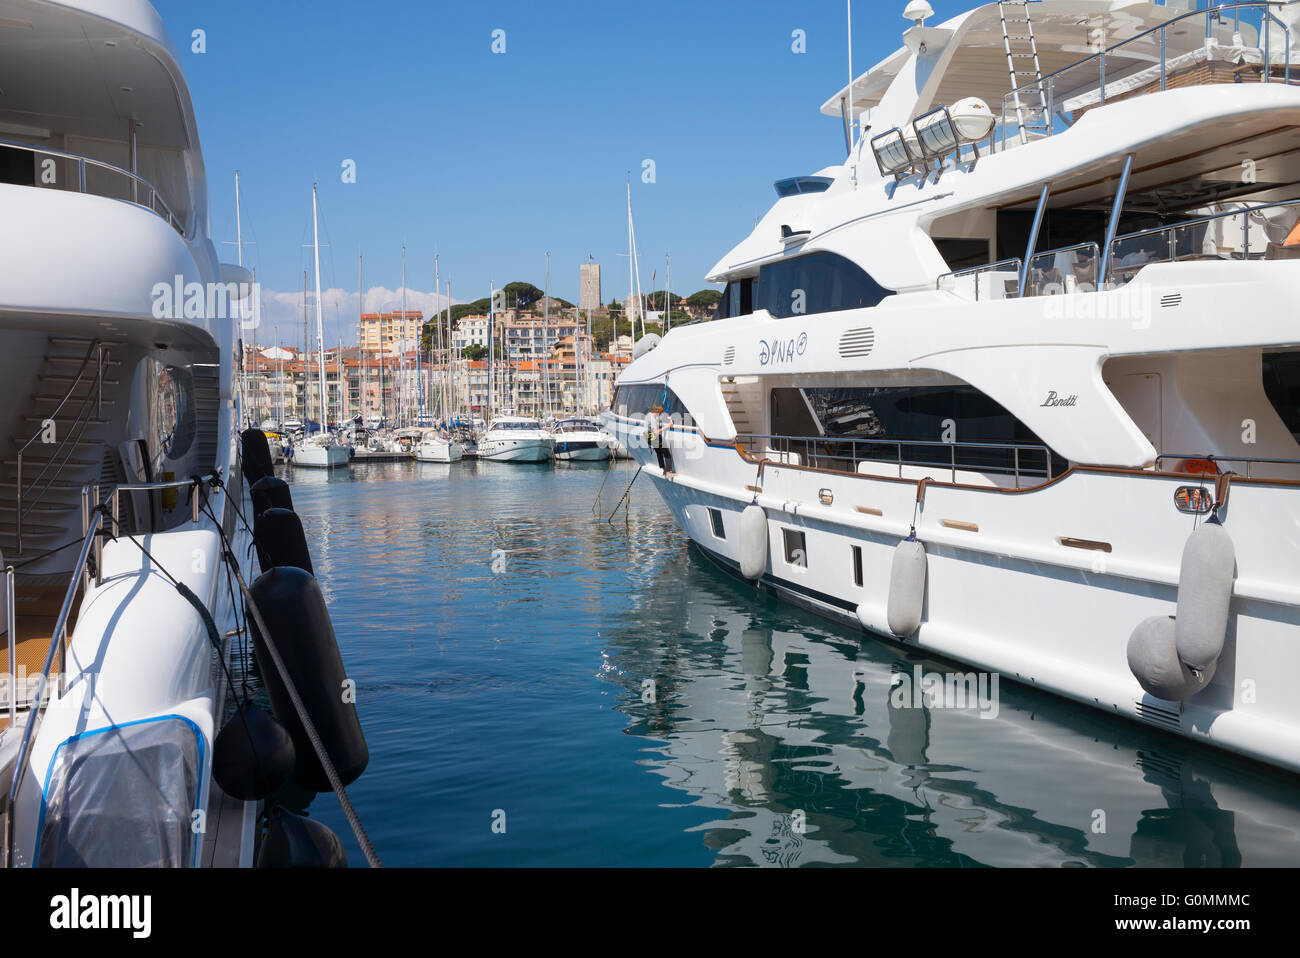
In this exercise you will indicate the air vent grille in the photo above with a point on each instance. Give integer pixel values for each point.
(1171, 299)
(856, 343)
(729, 355)
(1165, 718)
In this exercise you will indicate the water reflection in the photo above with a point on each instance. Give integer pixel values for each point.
(812, 750)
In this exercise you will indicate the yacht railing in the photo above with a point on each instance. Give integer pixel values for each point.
(1004, 284)
(11, 634)
(139, 187)
(82, 572)
(1214, 460)
(28, 499)
(1146, 57)
(1077, 268)
(843, 454)
(1195, 240)
(1066, 270)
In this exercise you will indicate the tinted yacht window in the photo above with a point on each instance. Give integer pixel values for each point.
(737, 299)
(633, 402)
(877, 417)
(817, 283)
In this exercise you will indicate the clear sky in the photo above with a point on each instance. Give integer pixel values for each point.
(494, 159)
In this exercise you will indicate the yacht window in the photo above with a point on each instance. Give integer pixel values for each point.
(857, 566)
(817, 283)
(17, 167)
(795, 551)
(715, 520)
(634, 402)
(963, 253)
(1282, 386)
(879, 417)
(737, 299)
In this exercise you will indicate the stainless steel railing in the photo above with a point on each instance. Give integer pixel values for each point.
(1147, 51)
(1065, 270)
(71, 436)
(136, 182)
(92, 544)
(952, 281)
(846, 454)
(1130, 253)
(1248, 462)
(1186, 240)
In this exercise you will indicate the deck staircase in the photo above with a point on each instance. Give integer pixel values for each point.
(64, 444)
(1028, 93)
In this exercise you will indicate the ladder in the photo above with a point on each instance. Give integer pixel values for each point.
(1022, 52)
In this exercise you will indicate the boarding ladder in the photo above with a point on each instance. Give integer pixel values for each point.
(1027, 92)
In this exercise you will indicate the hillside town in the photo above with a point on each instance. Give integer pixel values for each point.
(549, 358)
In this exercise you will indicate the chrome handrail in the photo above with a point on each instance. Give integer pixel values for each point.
(1206, 219)
(1053, 253)
(1214, 14)
(77, 428)
(135, 180)
(11, 633)
(1003, 265)
(1209, 457)
(953, 465)
(34, 708)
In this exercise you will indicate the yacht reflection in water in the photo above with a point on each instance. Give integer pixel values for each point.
(818, 747)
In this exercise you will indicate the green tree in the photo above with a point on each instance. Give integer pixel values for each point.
(704, 299)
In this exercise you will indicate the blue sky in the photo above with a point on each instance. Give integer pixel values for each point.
(495, 159)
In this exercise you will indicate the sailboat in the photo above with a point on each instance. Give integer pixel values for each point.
(320, 449)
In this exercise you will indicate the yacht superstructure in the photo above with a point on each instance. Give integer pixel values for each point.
(1018, 381)
(119, 328)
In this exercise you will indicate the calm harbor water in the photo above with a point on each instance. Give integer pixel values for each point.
(610, 699)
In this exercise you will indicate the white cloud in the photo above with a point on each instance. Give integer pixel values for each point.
(282, 313)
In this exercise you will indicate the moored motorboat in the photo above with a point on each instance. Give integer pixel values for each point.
(516, 439)
(580, 440)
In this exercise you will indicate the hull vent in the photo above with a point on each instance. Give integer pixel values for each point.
(1156, 715)
(1171, 299)
(856, 343)
(729, 355)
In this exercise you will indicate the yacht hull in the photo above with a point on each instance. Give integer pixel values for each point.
(320, 457)
(516, 450)
(439, 451)
(582, 447)
(1022, 584)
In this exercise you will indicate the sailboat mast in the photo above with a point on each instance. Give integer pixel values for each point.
(492, 321)
(437, 327)
(302, 356)
(320, 321)
(361, 329)
(668, 292)
(401, 345)
(546, 338)
(631, 316)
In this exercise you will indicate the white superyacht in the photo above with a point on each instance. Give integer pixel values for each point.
(1017, 381)
(122, 498)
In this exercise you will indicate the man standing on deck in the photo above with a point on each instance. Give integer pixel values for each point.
(657, 424)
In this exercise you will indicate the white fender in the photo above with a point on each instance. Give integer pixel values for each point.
(1154, 661)
(906, 588)
(752, 547)
(1204, 593)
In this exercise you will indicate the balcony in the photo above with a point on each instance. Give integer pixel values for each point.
(72, 172)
